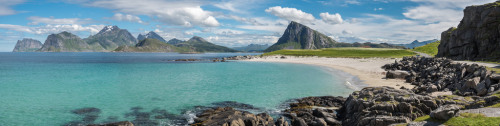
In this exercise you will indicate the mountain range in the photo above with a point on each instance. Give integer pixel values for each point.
(252, 48)
(112, 38)
(416, 43)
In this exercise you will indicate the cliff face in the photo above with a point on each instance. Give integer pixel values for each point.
(298, 36)
(66, 42)
(27, 45)
(477, 37)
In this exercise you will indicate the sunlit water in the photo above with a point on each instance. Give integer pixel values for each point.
(43, 88)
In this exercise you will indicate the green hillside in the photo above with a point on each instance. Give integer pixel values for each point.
(431, 48)
(347, 52)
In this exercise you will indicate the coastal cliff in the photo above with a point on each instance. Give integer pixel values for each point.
(477, 37)
(27, 45)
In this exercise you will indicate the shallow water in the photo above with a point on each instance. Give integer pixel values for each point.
(43, 88)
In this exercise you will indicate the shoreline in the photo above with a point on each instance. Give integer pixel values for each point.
(367, 70)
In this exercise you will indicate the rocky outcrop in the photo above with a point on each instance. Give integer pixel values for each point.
(230, 117)
(27, 45)
(315, 111)
(67, 42)
(298, 36)
(379, 106)
(150, 35)
(445, 112)
(439, 74)
(477, 37)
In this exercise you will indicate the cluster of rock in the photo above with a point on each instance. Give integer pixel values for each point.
(440, 74)
(228, 116)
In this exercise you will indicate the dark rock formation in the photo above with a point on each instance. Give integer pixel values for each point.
(438, 74)
(230, 117)
(315, 111)
(67, 42)
(477, 37)
(376, 106)
(298, 36)
(27, 45)
(150, 35)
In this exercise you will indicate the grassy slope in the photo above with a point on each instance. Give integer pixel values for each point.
(206, 47)
(465, 119)
(431, 48)
(347, 52)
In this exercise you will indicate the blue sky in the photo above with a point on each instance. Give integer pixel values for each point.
(233, 23)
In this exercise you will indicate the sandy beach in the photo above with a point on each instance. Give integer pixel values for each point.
(368, 70)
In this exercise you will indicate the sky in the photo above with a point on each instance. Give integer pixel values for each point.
(233, 23)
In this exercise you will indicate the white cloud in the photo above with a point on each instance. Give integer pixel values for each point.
(331, 18)
(378, 9)
(15, 28)
(49, 29)
(170, 12)
(127, 17)
(291, 14)
(242, 39)
(431, 11)
(227, 6)
(35, 20)
(5, 6)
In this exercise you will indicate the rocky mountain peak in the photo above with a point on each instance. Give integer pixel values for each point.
(151, 35)
(299, 36)
(109, 28)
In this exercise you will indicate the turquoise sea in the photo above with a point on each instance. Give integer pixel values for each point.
(47, 89)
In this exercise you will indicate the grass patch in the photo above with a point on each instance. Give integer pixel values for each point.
(495, 105)
(431, 48)
(347, 52)
(496, 70)
(465, 119)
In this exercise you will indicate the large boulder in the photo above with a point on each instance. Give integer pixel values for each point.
(397, 74)
(230, 117)
(445, 112)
